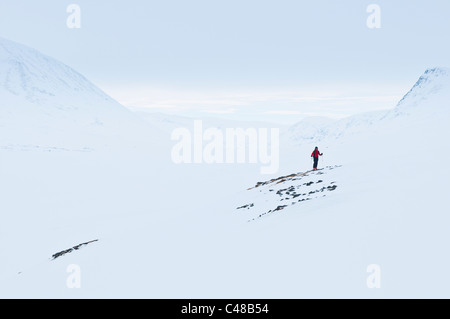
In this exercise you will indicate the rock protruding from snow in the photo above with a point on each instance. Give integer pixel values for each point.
(46, 104)
(67, 251)
(277, 194)
(41, 79)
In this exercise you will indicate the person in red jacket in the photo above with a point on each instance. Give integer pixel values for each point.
(315, 155)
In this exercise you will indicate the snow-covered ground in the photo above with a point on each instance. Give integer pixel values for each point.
(75, 166)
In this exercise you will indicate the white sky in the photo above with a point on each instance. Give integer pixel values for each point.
(251, 59)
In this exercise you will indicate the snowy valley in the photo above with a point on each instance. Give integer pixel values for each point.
(88, 181)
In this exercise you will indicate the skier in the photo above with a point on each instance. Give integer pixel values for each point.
(315, 154)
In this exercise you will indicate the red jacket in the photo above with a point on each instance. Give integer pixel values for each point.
(316, 153)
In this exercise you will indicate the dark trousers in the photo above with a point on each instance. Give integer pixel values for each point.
(316, 161)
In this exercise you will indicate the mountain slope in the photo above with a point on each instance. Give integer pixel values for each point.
(160, 230)
(40, 79)
(45, 102)
(428, 96)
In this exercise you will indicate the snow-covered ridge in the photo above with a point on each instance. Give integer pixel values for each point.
(429, 96)
(46, 104)
(273, 196)
(433, 81)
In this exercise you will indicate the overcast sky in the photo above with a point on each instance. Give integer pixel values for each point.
(249, 59)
